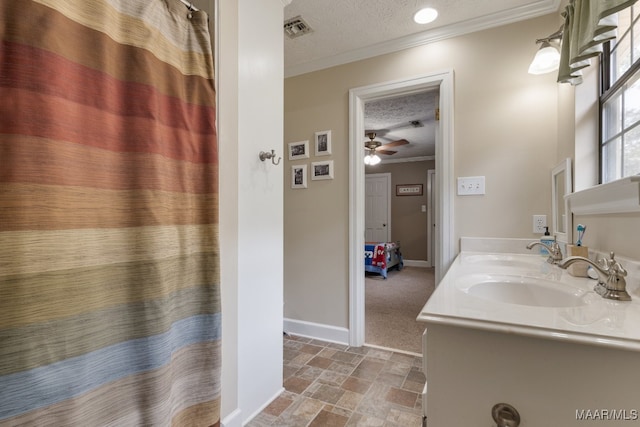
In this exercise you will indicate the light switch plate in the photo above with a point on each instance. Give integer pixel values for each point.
(471, 185)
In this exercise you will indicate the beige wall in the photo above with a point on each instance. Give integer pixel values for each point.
(408, 222)
(505, 128)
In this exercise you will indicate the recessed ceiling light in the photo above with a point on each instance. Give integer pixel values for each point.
(426, 15)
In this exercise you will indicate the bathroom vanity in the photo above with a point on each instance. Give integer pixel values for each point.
(511, 328)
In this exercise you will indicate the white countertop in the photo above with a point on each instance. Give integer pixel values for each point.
(594, 321)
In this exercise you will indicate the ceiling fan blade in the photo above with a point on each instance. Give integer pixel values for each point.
(397, 143)
(383, 151)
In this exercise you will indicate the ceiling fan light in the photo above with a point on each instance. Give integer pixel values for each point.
(425, 16)
(371, 159)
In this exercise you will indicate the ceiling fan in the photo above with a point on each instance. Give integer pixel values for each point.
(376, 146)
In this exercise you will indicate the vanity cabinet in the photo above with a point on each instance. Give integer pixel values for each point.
(511, 328)
(549, 382)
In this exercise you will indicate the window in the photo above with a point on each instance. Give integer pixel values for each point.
(620, 100)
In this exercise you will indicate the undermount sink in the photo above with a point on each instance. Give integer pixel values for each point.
(526, 291)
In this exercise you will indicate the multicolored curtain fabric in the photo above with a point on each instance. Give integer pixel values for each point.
(109, 281)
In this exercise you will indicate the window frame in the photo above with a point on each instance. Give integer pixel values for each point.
(607, 90)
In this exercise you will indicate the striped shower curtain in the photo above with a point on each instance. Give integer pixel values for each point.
(109, 281)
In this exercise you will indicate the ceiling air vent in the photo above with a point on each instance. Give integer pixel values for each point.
(296, 27)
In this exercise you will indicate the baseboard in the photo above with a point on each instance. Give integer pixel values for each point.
(267, 403)
(395, 350)
(416, 263)
(317, 331)
(234, 419)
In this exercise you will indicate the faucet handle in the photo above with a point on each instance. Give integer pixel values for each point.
(615, 287)
(555, 254)
(613, 267)
(611, 276)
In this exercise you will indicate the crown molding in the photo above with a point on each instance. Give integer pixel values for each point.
(478, 24)
(407, 160)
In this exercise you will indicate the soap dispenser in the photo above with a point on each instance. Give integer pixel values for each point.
(548, 240)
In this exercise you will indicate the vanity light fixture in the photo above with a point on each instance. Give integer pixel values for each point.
(547, 58)
(425, 16)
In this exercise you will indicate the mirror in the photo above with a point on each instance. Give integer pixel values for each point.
(561, 185)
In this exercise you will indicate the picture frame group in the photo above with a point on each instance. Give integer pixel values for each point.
(319, 170)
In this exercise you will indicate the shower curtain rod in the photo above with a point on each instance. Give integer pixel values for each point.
(189, 5)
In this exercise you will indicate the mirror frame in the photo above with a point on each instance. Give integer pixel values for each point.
(563, 167)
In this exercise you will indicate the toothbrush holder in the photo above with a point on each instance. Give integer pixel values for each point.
(579, 269)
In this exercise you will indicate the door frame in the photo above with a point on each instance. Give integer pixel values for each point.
(430, 216)
(444, 233)
(386, 175)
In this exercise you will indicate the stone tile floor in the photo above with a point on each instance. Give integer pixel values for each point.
(333, 385)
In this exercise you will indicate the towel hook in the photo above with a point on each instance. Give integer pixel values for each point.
(505, 415)
(264, 155)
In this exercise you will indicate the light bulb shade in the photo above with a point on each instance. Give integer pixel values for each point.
(547, 59)
(371, 159)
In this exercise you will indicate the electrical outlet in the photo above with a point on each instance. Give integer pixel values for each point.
(539, 223)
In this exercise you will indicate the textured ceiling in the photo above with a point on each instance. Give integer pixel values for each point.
(349, 30)
(391, 120)
(346, 26)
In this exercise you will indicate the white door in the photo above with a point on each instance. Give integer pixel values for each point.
(377, 207)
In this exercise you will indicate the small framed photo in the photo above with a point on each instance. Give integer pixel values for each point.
(323, 143)
(322, 170)
(298, 150)
(409, 190)
(299, 176)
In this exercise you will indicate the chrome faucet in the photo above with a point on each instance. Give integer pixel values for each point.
(555, 254)
(611, 276)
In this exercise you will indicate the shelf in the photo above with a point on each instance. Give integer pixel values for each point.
(621, 196)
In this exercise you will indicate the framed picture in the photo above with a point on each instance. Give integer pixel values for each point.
(323, 143)
(409, 190)
(322, 170)
(298, 150)
(299, 176)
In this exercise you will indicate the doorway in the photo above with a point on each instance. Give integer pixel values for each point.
(445, 249)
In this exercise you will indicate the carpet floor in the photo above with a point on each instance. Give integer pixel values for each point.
(392, 305)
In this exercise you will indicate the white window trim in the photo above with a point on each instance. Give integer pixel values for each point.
(620, 196)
